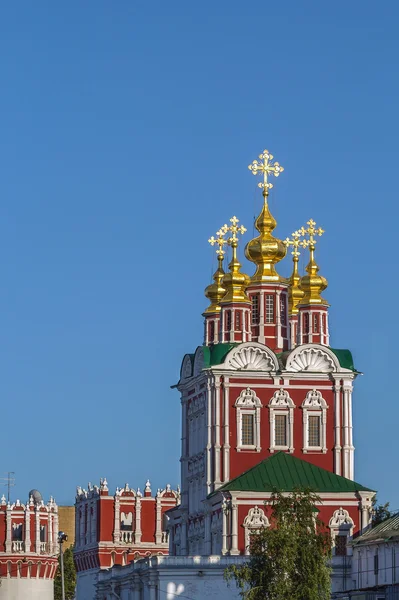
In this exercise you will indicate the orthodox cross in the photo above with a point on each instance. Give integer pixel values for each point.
(234, 229)
(266, 167)
(311, 232)
(295, 242)
(220, 241)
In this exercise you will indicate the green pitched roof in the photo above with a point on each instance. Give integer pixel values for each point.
(345, 358)
(285, 472)
(383, 532)
(215, 355)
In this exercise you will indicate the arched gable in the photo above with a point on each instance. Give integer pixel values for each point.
(313, 358)
(251, 356)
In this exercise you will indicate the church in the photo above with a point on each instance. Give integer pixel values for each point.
(266, 403)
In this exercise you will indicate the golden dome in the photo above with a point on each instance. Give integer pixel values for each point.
(234, 281)
(312, 283)
(295, 292)
(215, 291)
(265, 250)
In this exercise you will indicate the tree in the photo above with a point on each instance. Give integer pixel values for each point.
(289, 559)
(381, 512)
(69, 577)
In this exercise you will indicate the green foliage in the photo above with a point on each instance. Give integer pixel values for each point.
(381, 512)
(289, 559)
(69, 577)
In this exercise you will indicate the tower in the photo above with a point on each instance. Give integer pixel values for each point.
(267, 400)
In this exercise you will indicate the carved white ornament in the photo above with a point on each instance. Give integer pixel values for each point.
(314, 399)
(341, 519)
(256, 518)
(281, 398)
(249, 399)
(314, 360)
(251, 359)
(198, 362)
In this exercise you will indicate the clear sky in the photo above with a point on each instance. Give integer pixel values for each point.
(126, 131)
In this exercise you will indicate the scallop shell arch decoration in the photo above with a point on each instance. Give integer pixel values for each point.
(251, 358)
(314, 360)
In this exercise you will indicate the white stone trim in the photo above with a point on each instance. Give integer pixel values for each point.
(282, 404)
(341, 524)
(313, 358)
(251, 356)
(248, 403)
(314, 405)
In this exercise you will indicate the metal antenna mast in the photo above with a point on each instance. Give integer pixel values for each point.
(8, 481)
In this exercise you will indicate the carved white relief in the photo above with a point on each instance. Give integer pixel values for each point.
(314, 360)
(341, 520)
(281, 398)
(251, 359)
(314, 399)
(248, 398)
(199, 362)
(186, 368)
(126, 520)
(253, 522)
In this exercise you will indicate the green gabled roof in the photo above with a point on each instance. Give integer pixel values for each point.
(345, 358)
(285, 472)
(383, 532)
(215, 355)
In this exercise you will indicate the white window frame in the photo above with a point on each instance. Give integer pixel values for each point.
(314, 405)
(341, 524)
(248, 403)
(253, 522)
(282, 404)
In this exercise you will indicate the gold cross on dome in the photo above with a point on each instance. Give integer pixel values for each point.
(311, 232)
(266, 167)
(234, 229)
(295, 242)
(220, 241)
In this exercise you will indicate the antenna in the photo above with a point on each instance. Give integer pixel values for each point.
(8, 481)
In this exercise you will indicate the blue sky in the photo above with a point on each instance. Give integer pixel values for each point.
(126, 131)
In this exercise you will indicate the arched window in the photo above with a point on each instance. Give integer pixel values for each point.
(253, 522)
(341, 525)
(281, 417)
(248, 408)
(314, 422)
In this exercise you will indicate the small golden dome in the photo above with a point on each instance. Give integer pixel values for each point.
(215, 291)
(313, 284)
(265, 250)
(295, 292)
(234, 281)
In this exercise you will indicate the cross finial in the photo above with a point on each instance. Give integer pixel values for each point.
(310, 232)
(220, 241)
(234, 229)
(266, 167)
(295, 242)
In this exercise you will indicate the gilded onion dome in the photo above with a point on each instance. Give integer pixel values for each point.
(295, 292)
(234, 281)
(312, 284)
(265, 250)
(216, 291)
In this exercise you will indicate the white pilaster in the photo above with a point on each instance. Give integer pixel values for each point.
(50, 532)
(278, 319)
(217, 432)
(117, 521)
(337, 427)
(27, 529)
(158, 530)
(37, 529)
(226, 442)
(234, 529)
(209, 437)
(224, 528)
(8, 530)
(137, 529)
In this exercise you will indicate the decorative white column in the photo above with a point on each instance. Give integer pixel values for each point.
(8, 529)
(350, 432)
(278, 319)
(184, 451)
(337, 427)
(27, 528)
(137, 530)
(217, 481)
(37, 528)
(226, 442)
(234, 529)
(117, 520)
(347, 450)
(261, 337)
(158, 530)
(224, 527)
(50, 532)
(209, 437)
(55, 531)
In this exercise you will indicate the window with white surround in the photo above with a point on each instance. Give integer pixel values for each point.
(253, 522)
(248, 408)
(341, 525)
(314, 422)
(255, 309)
(281, 418)
(269, 308)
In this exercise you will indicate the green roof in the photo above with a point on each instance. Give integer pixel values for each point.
(383, 532)
(215, 355)
(285, 472)
(345, 358)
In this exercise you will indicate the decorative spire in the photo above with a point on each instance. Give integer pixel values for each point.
(312, 284)
(234, 282)
(265, 250)
(215, 291)
(295, 293)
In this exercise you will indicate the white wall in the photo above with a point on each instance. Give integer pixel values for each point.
(26, 589)
(85, 584)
